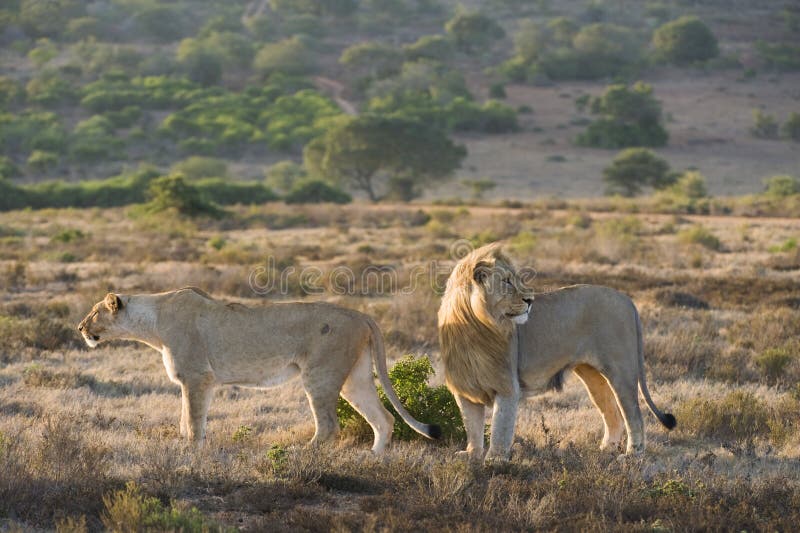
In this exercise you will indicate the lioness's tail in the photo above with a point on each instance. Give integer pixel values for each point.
(432, 431)
(667, 419)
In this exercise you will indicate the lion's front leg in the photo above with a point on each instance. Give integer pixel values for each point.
(504, 419)
(472, 414)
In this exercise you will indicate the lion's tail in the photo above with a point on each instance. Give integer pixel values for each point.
(432, 431)
(667, 419)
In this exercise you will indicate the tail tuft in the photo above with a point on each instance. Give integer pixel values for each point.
(668, 420)
(434, 431)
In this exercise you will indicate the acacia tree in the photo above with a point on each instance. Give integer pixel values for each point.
(382, 155)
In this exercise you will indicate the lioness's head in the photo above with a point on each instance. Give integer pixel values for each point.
(101, 322)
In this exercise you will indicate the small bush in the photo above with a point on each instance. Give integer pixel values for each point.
(130, 510)
(739, 416)
(172, 192)
(433, 405)
(772, 363)
(791, 128)
(36, 375)
(197, 167)
(700, 235)
(782, 186)
(635, 168)
(685, 40)
(315, 192)
(626, 116)
(764, 126)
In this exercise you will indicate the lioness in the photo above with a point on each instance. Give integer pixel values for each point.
(205, 343)
(500, 345)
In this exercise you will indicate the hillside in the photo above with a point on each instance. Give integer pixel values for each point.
(118, 84)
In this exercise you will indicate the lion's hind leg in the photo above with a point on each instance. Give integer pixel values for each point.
(626, 389)
(602, 396)
(359, 390)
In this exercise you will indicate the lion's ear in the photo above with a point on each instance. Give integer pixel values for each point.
(481, 272)
(113, 302)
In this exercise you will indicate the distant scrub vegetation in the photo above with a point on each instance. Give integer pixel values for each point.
(104, 84)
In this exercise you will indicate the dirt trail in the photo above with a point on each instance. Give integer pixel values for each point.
(335, 90)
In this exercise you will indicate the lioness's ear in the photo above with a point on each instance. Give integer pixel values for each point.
(113, 302)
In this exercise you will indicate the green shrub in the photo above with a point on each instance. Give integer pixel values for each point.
(7, 168)
(791, 128)
(479, 187)
(226, 192)
(433, 47)
(789, 245)
(780, 56)
(312, 191)
(162, 23)
(627, 116)
(473, 31)
(434, 405)
(130, 510)
(173, 192)
(772, 363)
(684, 41)
(764, 126)
(739, 416)
(283, 175)
(700, 235)
(290, 56)
(781, 186)
(195, 168)
(635, 168)
(42, 161)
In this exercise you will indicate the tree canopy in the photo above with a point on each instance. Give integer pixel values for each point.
(382, 155)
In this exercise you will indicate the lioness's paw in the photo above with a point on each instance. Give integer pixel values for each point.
(469, 455)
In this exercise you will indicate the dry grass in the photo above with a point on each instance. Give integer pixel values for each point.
(77, 426)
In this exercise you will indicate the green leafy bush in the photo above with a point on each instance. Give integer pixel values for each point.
(174, 193)
(290, 56)
(42, 161)
(626, 117)
(316, 191)
(282, 176)
(227, 192)
(7, 168)
(684, 41)
(782, 186)
(791, 128)
(700, 235)
(773, 361)
(764, 126)
(434, 405)
(473, 31)
(194, 168)
(130, 510)
(431, 47)
(780, 56)
(560, 51)
(635, 168)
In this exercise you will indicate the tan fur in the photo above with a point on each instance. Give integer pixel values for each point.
(205, 343)
(490, 361)
(474, 345)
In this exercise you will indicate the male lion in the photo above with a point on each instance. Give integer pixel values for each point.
(500, 345)
(205, 343)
